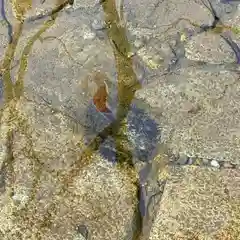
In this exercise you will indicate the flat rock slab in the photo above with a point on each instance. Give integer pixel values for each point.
(198, 107)
(199, 203)
(47, 192)
(199, 112)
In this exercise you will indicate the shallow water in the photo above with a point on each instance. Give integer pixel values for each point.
(56, 45)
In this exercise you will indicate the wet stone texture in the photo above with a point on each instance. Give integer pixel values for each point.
(199, 203)
(142, 132)
(199, 103)
(46, 192)
(200, 113)
(35, 192)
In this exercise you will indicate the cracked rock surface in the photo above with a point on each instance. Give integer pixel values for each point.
(48, 191)
(199, 203)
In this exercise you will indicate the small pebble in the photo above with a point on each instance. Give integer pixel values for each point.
(192, 160)
(183, 159)
(205, 161)
(89, 35)
(215, 164)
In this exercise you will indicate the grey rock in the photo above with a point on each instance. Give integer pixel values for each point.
(215, 164)
(205, 161)
(191, 160)
(194, 205)
(83, 231)
(191, 133)
(183, 159)
(99, 194)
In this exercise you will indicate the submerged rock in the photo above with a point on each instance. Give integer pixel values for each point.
(141, 131)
